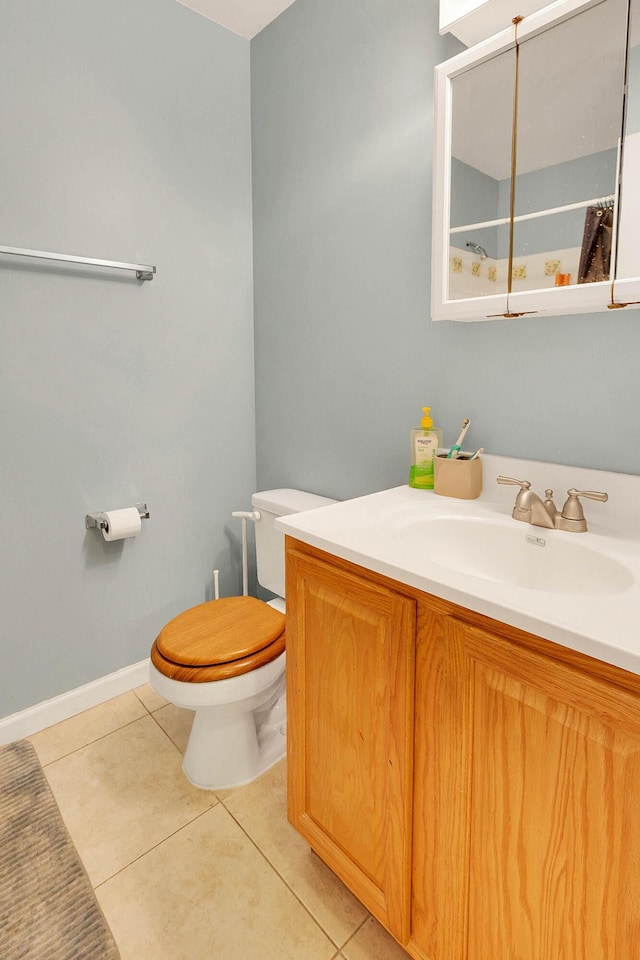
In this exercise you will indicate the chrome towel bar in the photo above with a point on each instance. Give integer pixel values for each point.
(142, 271)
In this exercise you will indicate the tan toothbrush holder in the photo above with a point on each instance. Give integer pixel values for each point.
(458, 477)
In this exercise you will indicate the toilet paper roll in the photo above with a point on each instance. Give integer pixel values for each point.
(119, 524)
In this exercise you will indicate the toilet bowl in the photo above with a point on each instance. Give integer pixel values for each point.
(225, 660)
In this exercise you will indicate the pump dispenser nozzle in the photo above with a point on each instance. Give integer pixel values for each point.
(426, 423)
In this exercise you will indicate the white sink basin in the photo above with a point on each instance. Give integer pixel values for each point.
(513, 553)
(580, 590)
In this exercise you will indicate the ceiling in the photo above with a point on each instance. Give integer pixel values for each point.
(244, 17)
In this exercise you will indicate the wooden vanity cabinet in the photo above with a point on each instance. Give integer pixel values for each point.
(478, 788)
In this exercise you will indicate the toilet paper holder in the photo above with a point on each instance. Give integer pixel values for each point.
(97, 519)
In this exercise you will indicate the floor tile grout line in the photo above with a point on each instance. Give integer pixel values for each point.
(357, 930)
(121, 726)
(285, 881)
(140, 700)
(155, 846)
(170, 738)
(149, 710)
(102, 736)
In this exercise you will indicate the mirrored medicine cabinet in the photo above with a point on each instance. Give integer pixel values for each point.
(537, 166)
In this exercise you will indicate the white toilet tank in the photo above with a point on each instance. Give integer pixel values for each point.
(269, 542)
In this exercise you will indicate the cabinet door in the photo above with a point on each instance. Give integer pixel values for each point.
(565, 190)
(350, 655)
(548, 763)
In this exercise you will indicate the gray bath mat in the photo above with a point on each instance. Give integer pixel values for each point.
(48, 910)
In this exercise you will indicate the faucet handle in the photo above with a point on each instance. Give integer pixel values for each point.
(591, 494)
(572, 509)
(523, 484)
(572, 517)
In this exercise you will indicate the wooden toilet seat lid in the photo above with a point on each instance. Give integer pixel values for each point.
(218, 671)
(220, 631)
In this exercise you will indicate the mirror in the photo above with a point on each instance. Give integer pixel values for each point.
(628, 259)
(568, 67)
(569, 129)
(481, 178)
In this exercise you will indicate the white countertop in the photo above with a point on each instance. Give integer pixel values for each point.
(374, 531)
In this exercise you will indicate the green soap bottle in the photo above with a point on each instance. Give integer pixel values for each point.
(425, 441)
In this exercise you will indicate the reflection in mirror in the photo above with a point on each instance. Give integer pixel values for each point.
(628, 251)
(570, 123)
(482, 97)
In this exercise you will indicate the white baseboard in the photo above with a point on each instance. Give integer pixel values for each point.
(45, 714)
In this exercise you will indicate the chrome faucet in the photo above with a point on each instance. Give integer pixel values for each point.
(531, 509)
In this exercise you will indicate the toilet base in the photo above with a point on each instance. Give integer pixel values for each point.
(239, 727)
(228, 751)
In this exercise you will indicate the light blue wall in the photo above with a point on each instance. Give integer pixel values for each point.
(346, 354)
(125, 136)
(341, 139)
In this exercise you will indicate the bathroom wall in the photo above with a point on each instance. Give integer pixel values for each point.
(125, 136)
(346, 353)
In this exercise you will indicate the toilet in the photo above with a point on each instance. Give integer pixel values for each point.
(225, 659)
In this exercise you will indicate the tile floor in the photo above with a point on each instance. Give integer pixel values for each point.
(189, 874)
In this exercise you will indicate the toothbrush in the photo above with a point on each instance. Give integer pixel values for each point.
(477, 454)
(453, 453)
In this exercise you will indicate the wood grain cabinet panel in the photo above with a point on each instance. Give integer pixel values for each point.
(527, 791)
(441, 808)
(350, 676)
(478, 788)
(555, 838)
